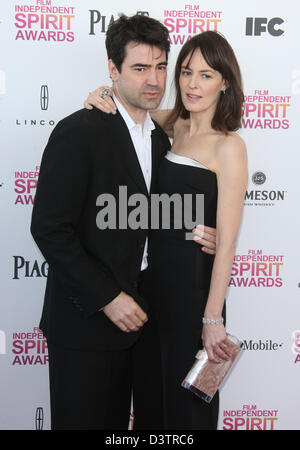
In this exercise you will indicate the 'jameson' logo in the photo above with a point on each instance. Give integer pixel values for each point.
(153, 212)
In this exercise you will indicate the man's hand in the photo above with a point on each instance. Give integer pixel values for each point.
(124, 312)
(206, 236)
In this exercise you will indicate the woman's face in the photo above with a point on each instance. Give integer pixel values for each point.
(200, 85)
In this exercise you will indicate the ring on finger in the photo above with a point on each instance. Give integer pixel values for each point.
(105, 93)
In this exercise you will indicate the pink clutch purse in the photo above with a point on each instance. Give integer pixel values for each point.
(205, 377)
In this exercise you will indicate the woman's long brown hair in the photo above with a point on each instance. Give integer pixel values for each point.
(219, 55)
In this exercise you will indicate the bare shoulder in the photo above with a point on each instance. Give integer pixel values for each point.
(230, 148)
(232, 142)
(231, 162)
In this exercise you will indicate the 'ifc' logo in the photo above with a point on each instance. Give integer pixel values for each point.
(255, 26)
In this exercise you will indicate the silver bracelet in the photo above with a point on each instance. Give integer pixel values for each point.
(212, 321)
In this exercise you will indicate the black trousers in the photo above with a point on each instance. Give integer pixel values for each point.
(92, 389)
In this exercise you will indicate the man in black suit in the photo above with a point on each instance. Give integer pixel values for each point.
(96, 318)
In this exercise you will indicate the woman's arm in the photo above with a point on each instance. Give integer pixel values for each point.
(232, 177)
(108, 105)
(160, 116)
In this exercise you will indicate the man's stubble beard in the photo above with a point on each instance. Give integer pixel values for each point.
(135, 100)
(148, 105)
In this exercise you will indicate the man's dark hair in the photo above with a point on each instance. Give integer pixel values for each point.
(138, 28)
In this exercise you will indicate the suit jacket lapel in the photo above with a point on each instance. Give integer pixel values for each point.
(155, 158)
(122, 140)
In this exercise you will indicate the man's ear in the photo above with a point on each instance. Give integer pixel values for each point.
(113, 71)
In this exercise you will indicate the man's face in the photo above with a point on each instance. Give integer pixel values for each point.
(141, 83)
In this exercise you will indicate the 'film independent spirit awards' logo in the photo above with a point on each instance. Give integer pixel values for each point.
(265, 110)
(256, 269)
(44, 21)
(250, 417)
(25, 186)
(29, 348)
(183, 23)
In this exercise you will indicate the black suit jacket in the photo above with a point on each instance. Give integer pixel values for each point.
(89, 153)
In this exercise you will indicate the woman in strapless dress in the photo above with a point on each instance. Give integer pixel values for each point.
(185, 284)
(209, 158)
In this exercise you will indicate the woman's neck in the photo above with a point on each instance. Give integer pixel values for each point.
(200, 123)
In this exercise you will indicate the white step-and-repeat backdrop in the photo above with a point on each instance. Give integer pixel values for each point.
(51, 55)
